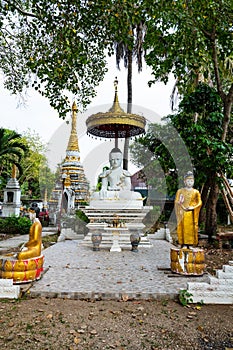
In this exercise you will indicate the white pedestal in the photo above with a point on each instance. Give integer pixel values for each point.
(115, 232)
(115, 242)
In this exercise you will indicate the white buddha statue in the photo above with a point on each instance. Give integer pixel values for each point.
(116, 182)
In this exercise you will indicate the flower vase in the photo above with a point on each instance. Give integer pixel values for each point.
(135, 240)
(96, 240)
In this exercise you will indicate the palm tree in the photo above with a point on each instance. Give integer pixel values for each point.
(12, 149)
(125, 53)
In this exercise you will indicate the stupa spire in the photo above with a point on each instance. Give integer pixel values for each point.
(116, 108)
(14, 170)
(73, 140)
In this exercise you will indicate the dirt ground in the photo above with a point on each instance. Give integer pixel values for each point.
(52, 324)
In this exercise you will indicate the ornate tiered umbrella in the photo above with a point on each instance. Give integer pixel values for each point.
(115, 123)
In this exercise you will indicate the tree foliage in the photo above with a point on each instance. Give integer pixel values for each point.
(54, 47)
(36, 176)
(59, 47)
(199, 123)
(210, 154)
(27, 152)
(163, 156)
(12, 151)
(193, 40)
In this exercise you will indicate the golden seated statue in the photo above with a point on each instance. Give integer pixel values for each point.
(26, 265)
(32, 248)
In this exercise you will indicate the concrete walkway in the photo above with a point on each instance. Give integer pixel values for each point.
(73, 270)
(18, 240)
(77, 272)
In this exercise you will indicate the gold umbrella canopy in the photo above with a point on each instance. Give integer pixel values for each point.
(115, 123)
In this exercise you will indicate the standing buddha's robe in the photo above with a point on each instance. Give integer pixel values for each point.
(187, 221)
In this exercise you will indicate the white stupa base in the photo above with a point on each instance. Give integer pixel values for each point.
(114, 199)
(116, 204)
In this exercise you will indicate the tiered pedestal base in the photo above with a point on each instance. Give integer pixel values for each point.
(186, 261)
(21, 271)
(130, 222)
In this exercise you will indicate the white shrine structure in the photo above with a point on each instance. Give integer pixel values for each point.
(12, 196)
(116, 212)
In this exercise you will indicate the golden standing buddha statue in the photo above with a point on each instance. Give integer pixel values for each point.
(187, 206)
(188, 260)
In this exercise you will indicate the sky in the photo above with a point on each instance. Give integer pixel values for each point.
(37, 115)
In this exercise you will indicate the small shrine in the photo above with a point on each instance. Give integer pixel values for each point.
(12, 196)
(55, 198)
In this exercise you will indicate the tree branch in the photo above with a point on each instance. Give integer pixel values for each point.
(216, 69)
(228, 101)
(230, 94)
(16, 5)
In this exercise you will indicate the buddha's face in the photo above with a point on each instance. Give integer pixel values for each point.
(115, 159)
(189, 182)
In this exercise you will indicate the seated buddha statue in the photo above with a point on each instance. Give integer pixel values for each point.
(116, 182)
(32, 248)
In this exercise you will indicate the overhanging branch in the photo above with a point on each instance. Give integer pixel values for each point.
(16, 5)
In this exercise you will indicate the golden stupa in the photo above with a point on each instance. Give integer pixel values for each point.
(72, 167)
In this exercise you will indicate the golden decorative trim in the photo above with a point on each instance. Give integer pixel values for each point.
(114, 118)
(112, 124)
(72, 168)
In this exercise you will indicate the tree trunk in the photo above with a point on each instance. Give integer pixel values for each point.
(129, 107)
(227, 112)
(204, 198)
(211, 213)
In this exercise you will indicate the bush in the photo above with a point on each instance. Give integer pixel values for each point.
(76, 222)
(15, 225)
(185, 297)
(81, 215)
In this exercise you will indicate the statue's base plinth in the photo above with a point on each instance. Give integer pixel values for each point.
(21, 271)
(186, 261)
(115, 199)
(116, 203)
